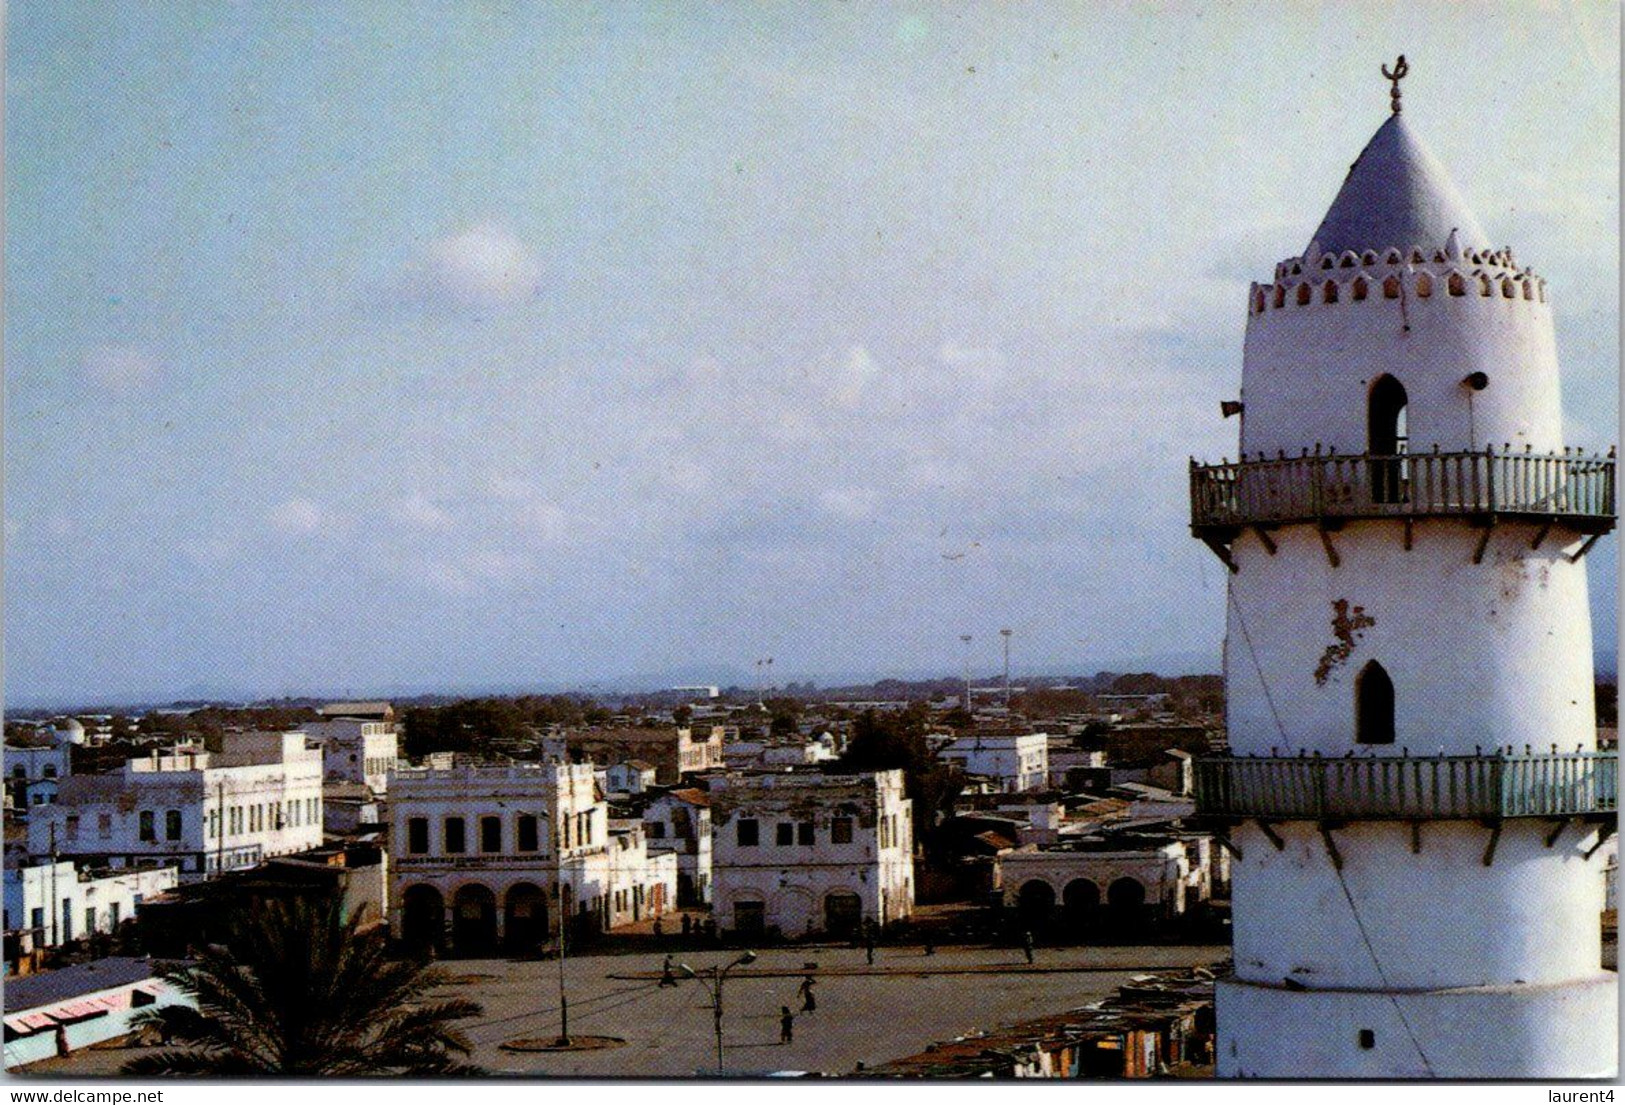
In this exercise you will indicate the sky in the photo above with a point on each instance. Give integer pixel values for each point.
(367, 347)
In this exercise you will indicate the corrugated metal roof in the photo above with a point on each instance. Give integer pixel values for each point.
(53, 987)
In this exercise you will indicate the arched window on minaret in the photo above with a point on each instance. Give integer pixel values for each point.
(1373, 706)
(1386, 440)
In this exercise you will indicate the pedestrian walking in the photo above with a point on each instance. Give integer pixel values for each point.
(660, 930)
(1027, 944)
(930, 946)
(667, 977)
(808, 1002)
(687, 926)
(787, 1025)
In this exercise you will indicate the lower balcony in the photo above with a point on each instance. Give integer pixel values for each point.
(1487, 788)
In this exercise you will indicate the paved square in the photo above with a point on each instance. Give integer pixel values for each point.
(865, 1014)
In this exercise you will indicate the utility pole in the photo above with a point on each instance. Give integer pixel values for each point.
(220, 834)
(54, 904)
(965, 638)
(1005, 633)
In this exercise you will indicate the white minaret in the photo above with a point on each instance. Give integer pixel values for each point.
(1413, 796)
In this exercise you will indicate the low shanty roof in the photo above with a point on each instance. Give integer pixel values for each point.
(625, 735)
(356, 709)
(54, 987)
(692, 795)
(640, 765)
(346, 792)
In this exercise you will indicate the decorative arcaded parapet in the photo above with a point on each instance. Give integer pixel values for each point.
(1413, 279)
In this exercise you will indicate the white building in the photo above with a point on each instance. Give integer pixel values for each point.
(350, 808)
(629, 777)
(674, 751)
(33, 770)
(201, 811)
(798, 753)
(56, 903)
(355, 750)
(1116, 883)
(475, 870)
(1416, 892)
(679, 821)
(69, 731)
(806, 852)
(641, 882)
(1017, 761)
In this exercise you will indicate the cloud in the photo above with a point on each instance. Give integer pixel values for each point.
(545, 520)
(120, 369)
(527, 511)
(297, 515)
(851, 503)
(419, 512)
(482, 267)
(851, 377)
(466, 572)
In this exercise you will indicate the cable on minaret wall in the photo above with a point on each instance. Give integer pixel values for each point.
(1241, 623)
(1382, 975)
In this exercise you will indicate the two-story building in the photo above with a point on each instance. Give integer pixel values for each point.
(679, 821)
(200, 811)
(632, 777)
(482, 855)
(674, 751)
(805, 852)
(35, 765)
(1014, 761)
(356, 750)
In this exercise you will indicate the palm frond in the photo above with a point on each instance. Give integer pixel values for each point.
(296, 988)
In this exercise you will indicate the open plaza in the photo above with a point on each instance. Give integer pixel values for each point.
(865, 1014)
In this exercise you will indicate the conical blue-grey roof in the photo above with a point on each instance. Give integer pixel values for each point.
(1397, 195)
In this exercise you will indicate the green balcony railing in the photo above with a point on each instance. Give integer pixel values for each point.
(1493, 787)
(1572, 487)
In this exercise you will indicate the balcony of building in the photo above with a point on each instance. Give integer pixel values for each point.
(1571, 490)
(1488, 788)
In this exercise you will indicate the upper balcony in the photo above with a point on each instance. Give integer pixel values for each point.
(1491, 788)
(1329, 489)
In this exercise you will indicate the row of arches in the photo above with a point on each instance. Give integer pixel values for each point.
(1348, 259)
(796, 911)
(473, 925)
(1423, 286)
(1081, 904)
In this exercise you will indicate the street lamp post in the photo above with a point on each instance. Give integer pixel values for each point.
(1005, 633)
(714, 977)
(557, 829)
(564, 922)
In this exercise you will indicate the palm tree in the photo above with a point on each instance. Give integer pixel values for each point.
(296, 989)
